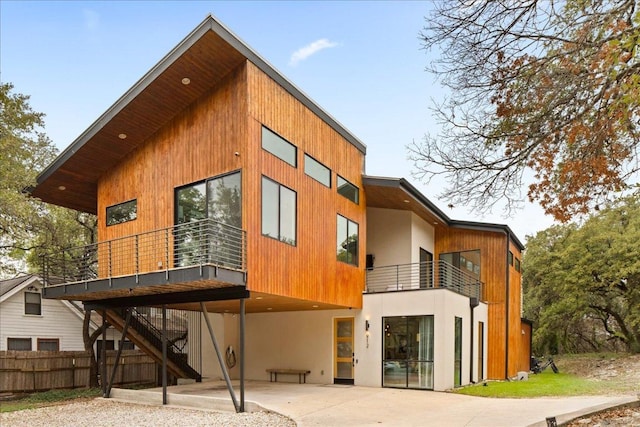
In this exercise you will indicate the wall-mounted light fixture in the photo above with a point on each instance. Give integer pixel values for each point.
(366, 325)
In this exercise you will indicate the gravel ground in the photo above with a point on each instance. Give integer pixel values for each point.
(106, 412)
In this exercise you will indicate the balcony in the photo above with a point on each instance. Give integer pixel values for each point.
(425, 275)
(197, 255)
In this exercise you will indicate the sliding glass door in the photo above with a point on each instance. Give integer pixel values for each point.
(408, 352)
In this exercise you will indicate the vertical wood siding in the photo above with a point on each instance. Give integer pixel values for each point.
(200, 143)
(493, 247)
(308, 270)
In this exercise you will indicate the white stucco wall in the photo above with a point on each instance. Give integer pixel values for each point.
(389, 236)
(422, 236)
(444, 305)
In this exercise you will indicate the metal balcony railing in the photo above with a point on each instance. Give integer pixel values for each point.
(424, 275)
(203, 242)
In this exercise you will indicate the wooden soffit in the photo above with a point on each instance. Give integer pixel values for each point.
(204, 57)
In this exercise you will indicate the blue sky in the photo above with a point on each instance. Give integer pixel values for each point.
(361, 61)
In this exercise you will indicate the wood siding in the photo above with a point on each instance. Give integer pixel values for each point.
(202, 142)
(517, 352)
(493, 248)
(309, 270)
(197, 144)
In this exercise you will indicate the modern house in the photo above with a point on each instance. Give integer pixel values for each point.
(222, 188)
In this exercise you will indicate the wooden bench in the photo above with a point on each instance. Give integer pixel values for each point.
(301, 373)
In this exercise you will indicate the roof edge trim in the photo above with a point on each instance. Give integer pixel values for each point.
(124, 100)
(403, 184)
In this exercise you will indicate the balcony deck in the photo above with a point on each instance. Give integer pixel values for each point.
(424, 275)
(199, 260)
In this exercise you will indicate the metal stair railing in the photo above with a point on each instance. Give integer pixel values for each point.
(153, 336)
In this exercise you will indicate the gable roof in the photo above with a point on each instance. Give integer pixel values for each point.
(205, 57)
(398, 193)
(10, 287)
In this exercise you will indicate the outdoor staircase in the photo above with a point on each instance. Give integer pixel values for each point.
(149, 339)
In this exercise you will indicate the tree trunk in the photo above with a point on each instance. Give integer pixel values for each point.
(89, 340)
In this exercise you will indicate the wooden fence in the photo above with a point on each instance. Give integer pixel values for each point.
(29, 371)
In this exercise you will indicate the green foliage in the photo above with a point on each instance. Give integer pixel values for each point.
(46, 398)
(582, 283)
(27, 225)
(541, 385)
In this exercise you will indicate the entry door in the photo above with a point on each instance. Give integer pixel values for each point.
(343, 350)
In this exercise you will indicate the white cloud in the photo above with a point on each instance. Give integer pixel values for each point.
(91, 19)
(310, 49)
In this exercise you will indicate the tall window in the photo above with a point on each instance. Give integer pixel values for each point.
(279, 147)
(32, 303)
(19, 344)
(218, 241)
(457, 361)
(408, 352)
(348, 190)
(347, 248)
(218, 198)
(279, 207)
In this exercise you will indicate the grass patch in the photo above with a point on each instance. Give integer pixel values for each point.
(540, 385)
(48, 398)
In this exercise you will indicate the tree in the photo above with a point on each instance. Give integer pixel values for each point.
(582, 283)
(27, 225)
(547, 87)
(30, 228)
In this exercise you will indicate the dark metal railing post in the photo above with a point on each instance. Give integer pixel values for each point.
(166, 238)
(137, 259)
(110, 262)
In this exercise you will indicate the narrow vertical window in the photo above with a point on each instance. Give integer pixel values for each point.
(457, 361)
(347, 237)
(279, 207)
(32, 303)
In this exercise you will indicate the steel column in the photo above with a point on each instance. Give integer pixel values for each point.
(103, 354)
(164, 354)
(223, 367)
(242, 319)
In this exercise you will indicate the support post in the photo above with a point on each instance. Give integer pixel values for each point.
(117, 361)
(164, 354)
(223, 367)
(103, 355)
(242, 319)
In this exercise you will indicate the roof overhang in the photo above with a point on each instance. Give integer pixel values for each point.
(399, 194)
(208, 54)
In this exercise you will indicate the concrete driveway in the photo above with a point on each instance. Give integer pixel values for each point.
(338, 405)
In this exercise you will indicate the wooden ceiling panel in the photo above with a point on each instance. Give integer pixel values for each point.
(149, 105)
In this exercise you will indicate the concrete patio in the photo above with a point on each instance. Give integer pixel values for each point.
(340, 405)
